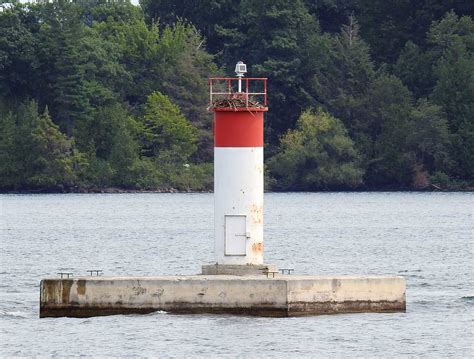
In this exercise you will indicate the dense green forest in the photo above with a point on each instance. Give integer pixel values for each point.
(363, 94)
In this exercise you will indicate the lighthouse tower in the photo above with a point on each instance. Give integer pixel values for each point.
(238, 105)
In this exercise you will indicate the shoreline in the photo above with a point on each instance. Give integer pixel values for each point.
(115, 190)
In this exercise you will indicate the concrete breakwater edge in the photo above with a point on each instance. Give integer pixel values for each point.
(282, 296)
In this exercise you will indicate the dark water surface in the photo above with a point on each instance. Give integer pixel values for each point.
(426, 237)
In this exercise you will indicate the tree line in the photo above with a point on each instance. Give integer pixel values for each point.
(362, 94)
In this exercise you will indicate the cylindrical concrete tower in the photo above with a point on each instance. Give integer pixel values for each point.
(238, 169)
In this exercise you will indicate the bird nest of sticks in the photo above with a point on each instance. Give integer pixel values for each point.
(236, 102)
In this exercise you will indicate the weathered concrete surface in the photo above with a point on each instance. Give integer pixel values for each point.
(250, 295)
(347, 294)
(237, 269)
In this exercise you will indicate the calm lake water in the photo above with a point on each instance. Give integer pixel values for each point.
(426, 237)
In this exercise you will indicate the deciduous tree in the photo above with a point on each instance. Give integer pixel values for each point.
(317, 155)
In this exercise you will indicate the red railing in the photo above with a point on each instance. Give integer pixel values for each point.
(226, 89)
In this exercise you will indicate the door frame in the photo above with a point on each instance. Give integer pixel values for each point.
(225, 235)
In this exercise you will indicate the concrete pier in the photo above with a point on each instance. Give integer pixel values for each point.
(282, 296)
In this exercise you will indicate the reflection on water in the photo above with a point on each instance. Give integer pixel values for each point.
(426, 237)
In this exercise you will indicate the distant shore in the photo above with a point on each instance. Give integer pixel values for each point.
(116, 190)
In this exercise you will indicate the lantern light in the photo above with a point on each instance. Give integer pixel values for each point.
(240, 70)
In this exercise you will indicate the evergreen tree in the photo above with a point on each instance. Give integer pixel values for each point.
(429, 138)
(383, 136)
(211, 17)
(453, 38)
(53, 162)
(415, 68)
(388, 24)
(8, 159)
(166, 135)
(26, 122)
(343, 79)
(62, 60)
(332, 13)
(37, 155)
(124, 158)
(18, 61)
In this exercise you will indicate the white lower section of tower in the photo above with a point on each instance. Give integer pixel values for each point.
(238, 205)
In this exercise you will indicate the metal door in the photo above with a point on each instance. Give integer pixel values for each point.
(235, 235)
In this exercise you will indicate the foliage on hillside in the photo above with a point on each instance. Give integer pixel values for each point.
(101, 72)
(317, 155)
(363, 94)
